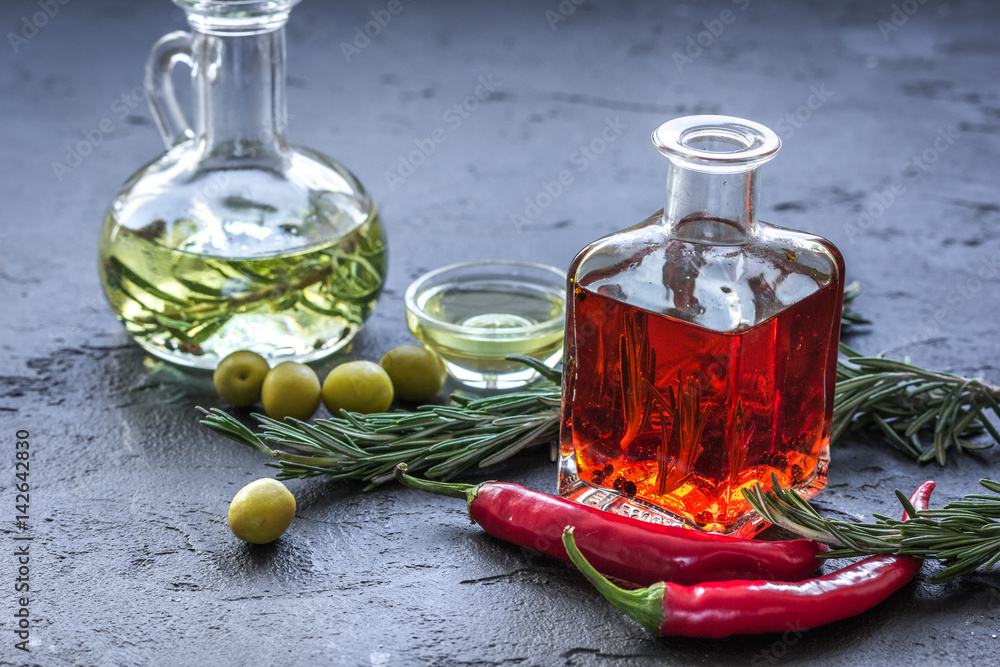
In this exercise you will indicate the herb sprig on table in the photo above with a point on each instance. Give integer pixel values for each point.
(904, 403)
(963, 534)
(438, 441)
(924, 413)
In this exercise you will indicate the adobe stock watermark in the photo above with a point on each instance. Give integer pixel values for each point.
(779, 649)
(31, 25)
(913, 169)
(454, 117)
(24, 622)
(562, 12)
(795, 119)
(379, 658)
(958, 297)
(93, 137)
(363, 35)
(901, 13)
(696, 44)
(581, 159)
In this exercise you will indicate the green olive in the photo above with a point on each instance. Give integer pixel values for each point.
(261, 511)
(417, 374)
(239, 377)
(290, 389)
(357, 386)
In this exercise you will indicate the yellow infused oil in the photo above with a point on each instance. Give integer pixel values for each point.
(194, 308)
(477, 323)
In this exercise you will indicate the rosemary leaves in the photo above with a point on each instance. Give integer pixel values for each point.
(439, 441)
(905, 402)
(964, 534)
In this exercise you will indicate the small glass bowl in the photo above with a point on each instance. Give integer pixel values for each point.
(474, 314)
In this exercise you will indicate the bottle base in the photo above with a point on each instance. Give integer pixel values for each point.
(572, 487)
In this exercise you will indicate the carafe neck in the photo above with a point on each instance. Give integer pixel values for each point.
(712, 176)
(710, 207)
(239, 93)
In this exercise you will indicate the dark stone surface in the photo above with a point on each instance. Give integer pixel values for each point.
(132, 561)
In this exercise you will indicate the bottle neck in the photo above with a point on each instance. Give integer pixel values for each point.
(239, 93)
(710, 207)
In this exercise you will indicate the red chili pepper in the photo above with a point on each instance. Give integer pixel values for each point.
(724, 608)
(629, 549)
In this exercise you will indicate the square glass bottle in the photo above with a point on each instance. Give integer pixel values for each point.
(701, 345)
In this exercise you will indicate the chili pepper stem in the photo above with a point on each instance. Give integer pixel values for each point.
(452, 490)
(643, 604)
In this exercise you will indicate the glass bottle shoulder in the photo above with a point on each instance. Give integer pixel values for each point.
(226, 207)
(722, 287)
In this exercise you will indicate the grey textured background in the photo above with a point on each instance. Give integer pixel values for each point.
(132, 561)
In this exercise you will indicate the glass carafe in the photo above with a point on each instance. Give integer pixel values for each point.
(233, 239)
(701, 345)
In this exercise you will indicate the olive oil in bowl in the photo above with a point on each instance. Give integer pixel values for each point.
(475, 314)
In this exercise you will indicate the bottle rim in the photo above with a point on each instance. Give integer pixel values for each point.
(717, 144)
(236, 17)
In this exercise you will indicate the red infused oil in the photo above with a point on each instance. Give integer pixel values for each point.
(667, 413)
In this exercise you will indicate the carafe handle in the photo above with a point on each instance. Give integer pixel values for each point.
(172, 48)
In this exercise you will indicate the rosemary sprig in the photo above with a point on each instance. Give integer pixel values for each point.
(903, 401)
(964, 534)
(438, 440)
